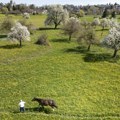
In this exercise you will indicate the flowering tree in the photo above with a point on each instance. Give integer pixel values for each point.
(113, 22)
(65, 16)
(19, 33)
(88, 36)
(26, 15)
(104, 23)
(56, 15)
(112, 40)
(96, 22)
(71, 26)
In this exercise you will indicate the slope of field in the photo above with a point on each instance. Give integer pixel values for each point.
(85, 85)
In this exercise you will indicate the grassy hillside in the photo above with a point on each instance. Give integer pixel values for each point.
(85, 85)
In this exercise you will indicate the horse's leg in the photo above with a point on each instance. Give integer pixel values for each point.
(52, 107)
(42, 107)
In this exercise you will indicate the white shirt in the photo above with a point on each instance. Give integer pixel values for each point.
(22, 104)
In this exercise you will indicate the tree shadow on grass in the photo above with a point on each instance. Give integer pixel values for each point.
(80, 49)
(60, 40)
(47, 28)
(102, 30)
(3, 36)
(10, 46)
(93, 57)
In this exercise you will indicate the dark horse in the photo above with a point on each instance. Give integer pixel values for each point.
(45, 102)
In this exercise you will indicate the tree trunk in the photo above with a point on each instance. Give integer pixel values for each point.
(89, 47)
(115, 53)
(20, 43)
(70, 37)
(102, 31)
(55, 26)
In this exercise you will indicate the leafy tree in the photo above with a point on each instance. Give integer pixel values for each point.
(113, 14)
(4, 10)
(96, 22)
(113, 22)
(55, 16)
(71, 26)
(26, 15)
(105, 13)
(88, 36)
(81, 13)
(104, 23)
(31, 28)
(112, 40)
(19, 33)
(7, 24)
(85, 23)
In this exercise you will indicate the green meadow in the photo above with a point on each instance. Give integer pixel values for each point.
(85, 85)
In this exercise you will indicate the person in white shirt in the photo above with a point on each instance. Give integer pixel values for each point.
(22, 106)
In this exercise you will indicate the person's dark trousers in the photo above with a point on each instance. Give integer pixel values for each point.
(22, 109)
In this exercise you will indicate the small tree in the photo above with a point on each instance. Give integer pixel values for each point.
(19, 33)
(4, 10)
(26, 15)
(7, 24)
(85, 24)
(81, 13)
(87, 36)
(112, 40)
(96, 22)
(71, 26)
(31, 28)
(104, 23)
(113, 23)
(55, 15)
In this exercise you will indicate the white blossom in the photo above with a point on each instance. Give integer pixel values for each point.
(56, 15)
(19, 33)
(96, 22)
(26, 15)
(104, 23)
(112, 40)
(113, 22)
(71, 26)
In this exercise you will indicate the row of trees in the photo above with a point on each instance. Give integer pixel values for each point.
(84, 31)
(104, 10)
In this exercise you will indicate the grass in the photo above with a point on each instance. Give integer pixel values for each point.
(85, 85)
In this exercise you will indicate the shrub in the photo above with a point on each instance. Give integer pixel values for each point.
(42, 40)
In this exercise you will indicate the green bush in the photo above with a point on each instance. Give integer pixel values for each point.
(7, 24)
